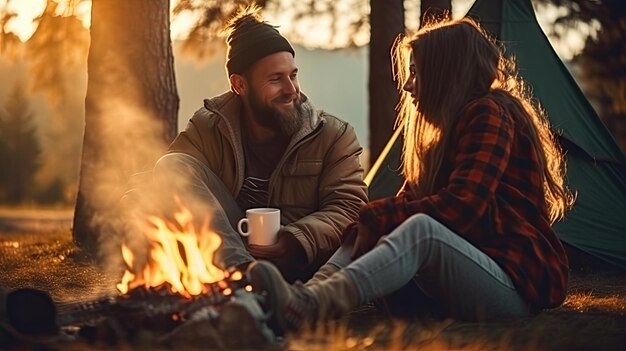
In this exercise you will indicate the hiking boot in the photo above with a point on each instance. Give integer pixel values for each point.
(289, 307)
(322, 274)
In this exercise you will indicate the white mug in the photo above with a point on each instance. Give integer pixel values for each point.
(263, 225)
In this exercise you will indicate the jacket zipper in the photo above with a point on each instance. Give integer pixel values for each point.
(283, 159)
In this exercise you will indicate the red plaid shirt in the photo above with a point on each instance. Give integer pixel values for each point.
(491, 194)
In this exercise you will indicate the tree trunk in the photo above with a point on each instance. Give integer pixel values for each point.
(131, 107)
(386, 22)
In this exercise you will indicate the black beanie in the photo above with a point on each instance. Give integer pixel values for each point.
(249, 41)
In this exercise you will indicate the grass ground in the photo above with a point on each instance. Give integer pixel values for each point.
(36, 251)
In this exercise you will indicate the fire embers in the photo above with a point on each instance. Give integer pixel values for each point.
(158, 317)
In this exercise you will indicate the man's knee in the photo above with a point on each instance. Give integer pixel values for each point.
(169, 162)
(176, 169)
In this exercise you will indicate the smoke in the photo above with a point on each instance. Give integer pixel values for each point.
(125, 186)
(123, 139)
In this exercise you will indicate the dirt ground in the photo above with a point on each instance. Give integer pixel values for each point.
(36, 251)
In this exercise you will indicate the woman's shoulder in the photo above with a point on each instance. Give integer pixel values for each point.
(485, 109)
(488, 104)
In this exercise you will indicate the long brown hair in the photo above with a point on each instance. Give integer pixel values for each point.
(456, 62)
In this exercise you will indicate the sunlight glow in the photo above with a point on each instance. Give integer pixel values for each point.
(27, 11)
(572, 41)
(181, 25)
(309, 32)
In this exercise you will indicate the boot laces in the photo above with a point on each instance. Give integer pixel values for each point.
(301, 306)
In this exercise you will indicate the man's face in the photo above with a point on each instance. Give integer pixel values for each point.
(274, 93)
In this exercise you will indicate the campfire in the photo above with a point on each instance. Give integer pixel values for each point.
(180, 257)
(171, 289)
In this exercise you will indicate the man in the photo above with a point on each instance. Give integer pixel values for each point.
(263, 144)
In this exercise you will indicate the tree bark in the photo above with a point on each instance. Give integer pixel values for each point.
(386, 22)
(131, 107)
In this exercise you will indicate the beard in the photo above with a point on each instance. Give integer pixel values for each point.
(287, 121)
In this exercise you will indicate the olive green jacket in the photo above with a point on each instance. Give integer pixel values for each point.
(317, 184)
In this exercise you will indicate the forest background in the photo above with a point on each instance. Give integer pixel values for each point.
(44, 48)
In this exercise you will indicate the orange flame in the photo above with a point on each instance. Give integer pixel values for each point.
(185, 271)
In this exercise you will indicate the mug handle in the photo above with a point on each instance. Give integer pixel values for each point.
(240, 230)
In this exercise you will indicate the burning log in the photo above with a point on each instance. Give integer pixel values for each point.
(229, 312)
(149, 302)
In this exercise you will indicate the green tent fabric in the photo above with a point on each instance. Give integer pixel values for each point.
(596, 166)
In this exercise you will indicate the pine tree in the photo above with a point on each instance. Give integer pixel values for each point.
(20, 149)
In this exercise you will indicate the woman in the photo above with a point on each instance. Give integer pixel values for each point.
(471, 227)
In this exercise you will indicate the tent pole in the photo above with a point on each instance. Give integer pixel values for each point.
(381, 158)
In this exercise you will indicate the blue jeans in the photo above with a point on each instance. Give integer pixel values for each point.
(444, 266)
(205, 193)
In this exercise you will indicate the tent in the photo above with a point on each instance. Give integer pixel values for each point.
(596, 166)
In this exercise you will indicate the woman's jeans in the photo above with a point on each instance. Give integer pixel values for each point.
(445, 267)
